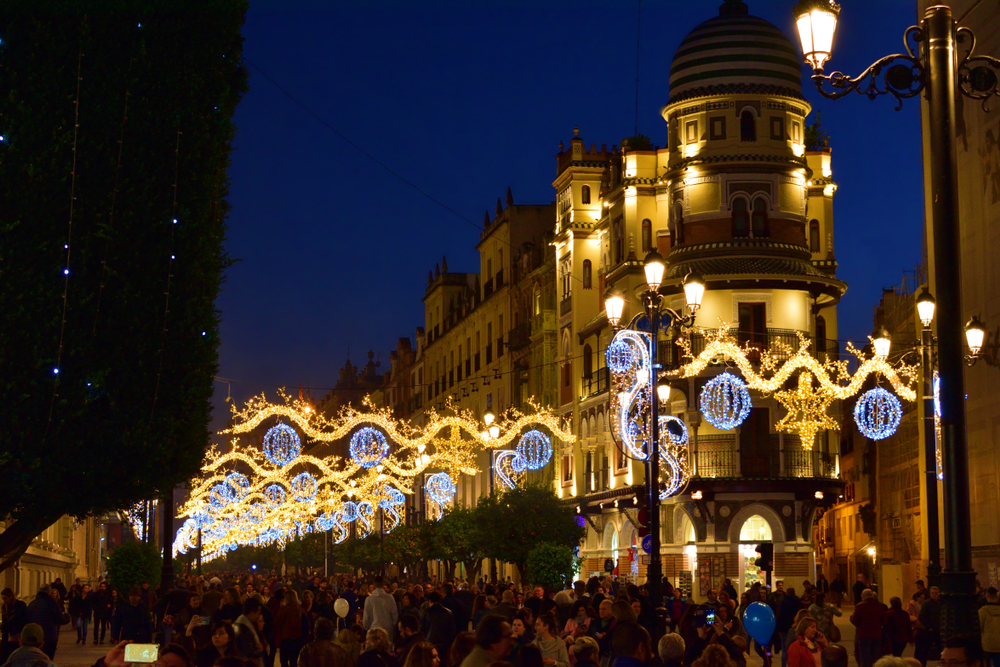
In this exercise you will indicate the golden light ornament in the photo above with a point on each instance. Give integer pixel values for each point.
(806, 411)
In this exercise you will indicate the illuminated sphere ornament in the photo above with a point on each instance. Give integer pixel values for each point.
(620, 356)
(255, 513)
(281, 445)
(349, 512)
(368, 447)
(877, 413)
(274, 496)
(238, 485)
(725, 401)
(304, 487)
(440, 488)
(534, 449)
(219, 496)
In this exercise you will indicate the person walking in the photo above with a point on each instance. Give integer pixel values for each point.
(48, 615)
(823, 613)
(102, 611)
(133, 619)
(837, 590)
(15, 617)
(289, 632)
(438, 624)
(380, 609)
(81, 606)
(30, 653)
(897, 626)
(929, 630)
(989, 624)
(323, 651)
(869, 619)
(859, 587)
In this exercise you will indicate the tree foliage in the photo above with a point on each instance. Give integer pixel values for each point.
(108, 326)
(551, 565)
(132, 563)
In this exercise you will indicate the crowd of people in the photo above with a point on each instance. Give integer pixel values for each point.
(260, 620)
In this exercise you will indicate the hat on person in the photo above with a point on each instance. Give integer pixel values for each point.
(215, 580)
(32, 635)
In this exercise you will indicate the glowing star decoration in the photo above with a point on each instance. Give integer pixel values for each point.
(767, 371)
(304, 487)
(535, 449)
(725, 401)
(441, 491)
(806, 411)
(631, 391)
(877, 413)
(368, 447)
(246, 491)
(281, 444)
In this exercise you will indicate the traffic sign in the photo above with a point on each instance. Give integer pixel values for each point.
(647, 544)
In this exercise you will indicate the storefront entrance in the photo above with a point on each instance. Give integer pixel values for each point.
(754, 531)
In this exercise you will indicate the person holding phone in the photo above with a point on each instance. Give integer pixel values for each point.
(194, 623)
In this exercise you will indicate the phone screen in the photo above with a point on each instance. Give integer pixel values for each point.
(141, 652)
(205, 620)
(710, 617)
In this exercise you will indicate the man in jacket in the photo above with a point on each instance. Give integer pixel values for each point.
(102, 611)
(15, 616)
(868, 618)
(929, 635)
(438, 624)
(212, 599)
(494, 640)
(47, 614)
(380, 609)
(246, 626)
(133, 619)
(457, 608)
(506, 606)
(409, 636)
(989, 622)
(30, 653)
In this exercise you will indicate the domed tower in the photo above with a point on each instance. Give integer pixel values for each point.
(749, 207)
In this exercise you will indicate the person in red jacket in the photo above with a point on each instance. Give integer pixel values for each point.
(805, 650)
(869, 619)
(897, 626)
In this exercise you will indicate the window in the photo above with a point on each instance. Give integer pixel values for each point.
(717, 128)
(587, 274)
(796, 129)
(820, 334)
(678, 230)
(741, 218)
(567, 369)
(647, 235)
(567, 469)
(777, 128)
(691, 132)
(748, 126)
(814, 235)
(585, 194)
(759, 218)
(753, 324)
(588, 361)
(618, 240)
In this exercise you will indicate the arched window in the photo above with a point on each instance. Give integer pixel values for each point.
(748, 126)
(678, 222)
(588, 361)
(619, 241)
(741, 218)
(587, 274)
(759, 218)
(814, 235)
(585, 194)
(647, 235)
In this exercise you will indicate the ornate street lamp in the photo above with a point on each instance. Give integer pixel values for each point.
(640, 337)
(935, 65)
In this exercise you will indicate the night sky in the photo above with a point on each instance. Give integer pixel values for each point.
(462, 99)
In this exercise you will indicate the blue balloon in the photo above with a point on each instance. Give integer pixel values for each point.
(759, 622)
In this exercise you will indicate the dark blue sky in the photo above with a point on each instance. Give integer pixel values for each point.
(463, 99)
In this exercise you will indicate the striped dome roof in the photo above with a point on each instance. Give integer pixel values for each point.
(735, 53)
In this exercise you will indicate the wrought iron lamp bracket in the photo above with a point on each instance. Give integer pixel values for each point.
(978, 76)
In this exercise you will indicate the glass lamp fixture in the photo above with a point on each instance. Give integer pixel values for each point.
(882, 342)
(696, 495)
(694, 290)
(642, 376)
(925, 307)
(818, 495)
(489, 417)
(654, 269)
(663, 391)
(975, 334)
(816, 21)
(494, 432)
(614, 306)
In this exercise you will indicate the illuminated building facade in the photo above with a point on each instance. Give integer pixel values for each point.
(743, 195)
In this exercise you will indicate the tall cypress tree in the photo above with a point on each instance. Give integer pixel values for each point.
(116, 117)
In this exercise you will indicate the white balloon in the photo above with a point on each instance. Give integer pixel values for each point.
(341, 607)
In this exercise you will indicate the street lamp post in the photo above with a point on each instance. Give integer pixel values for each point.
(940, 72)
(925, 311)
(659, 316)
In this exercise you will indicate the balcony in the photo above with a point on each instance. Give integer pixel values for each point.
(520, 336)
(565, 305)
(597, 480)
(416, 402)
(724, 456)
(487, 289)
(500, 282)
(594, 384)
(779, 343)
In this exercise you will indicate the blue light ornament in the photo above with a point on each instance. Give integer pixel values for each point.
(368, 447)
(304, 487)
(281, 445)
(440, 488)
(620, 356)
(725, 401)
(534, 449)
(274, 496)
(877, 413)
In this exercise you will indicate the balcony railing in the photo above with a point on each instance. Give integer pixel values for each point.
(519, 336)
(779, 343)
(595, 383)
(598, 480)
(726, 456)
(565, 305)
